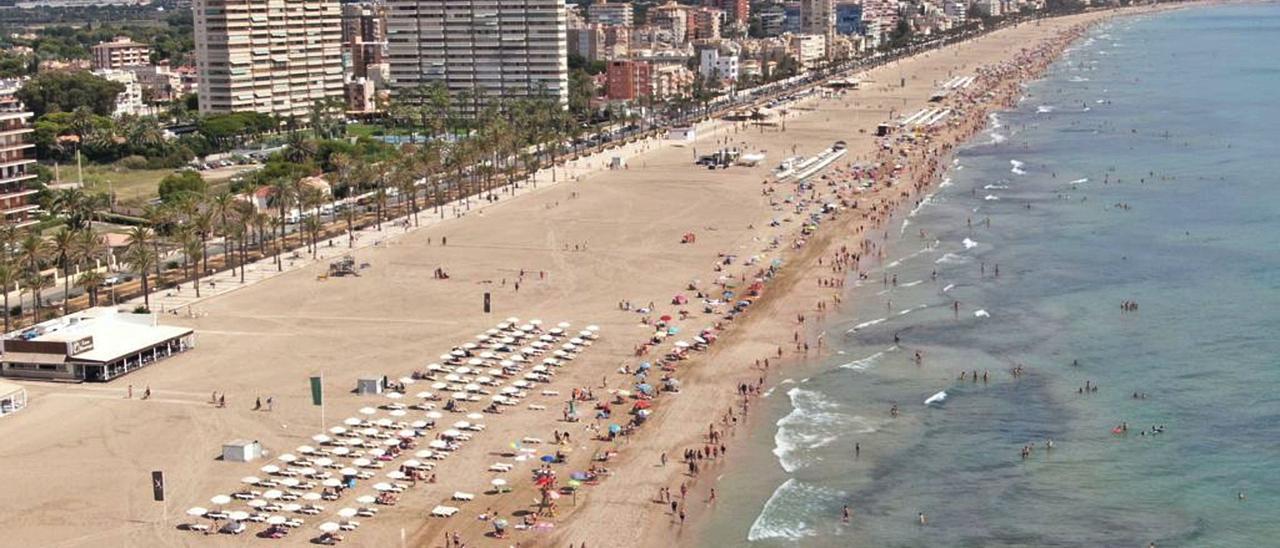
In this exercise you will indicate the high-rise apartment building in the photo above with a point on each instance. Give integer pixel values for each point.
(819, 17)
(736, 12)
(17, 161)
(272, 56)
(490, 49)
(607, 13)
(120, 53)
(364, 37)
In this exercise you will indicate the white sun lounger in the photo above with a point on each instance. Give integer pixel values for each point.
(534, 441)
(500, 467)
(550, 392)
(459, 495)
(443, 511)
(536, 407)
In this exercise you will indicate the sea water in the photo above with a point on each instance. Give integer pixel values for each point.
(1145, 167)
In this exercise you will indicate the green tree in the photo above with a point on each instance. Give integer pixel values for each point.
(181, 184)
(61, 91)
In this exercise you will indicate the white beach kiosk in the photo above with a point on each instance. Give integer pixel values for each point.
(12, 398)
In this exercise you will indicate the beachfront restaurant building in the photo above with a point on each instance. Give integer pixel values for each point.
(98, 344)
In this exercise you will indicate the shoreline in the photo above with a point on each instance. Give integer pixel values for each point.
(807, 264)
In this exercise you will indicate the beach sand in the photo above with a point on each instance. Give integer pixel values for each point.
(79, 456)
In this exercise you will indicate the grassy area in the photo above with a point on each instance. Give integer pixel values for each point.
(130, 185)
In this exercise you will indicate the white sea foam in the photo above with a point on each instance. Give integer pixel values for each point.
(1045, 109)
(912, 284)
(991, 197)
(969, 244)
(995, 187)
(814, 422)
(949, 287)
(1080, 180)
(946, 182)
(995, 120)
(866, 324)
(981, 314)
(1017, 167)
(864, 363)
(1079, 79)
(997, 138)
(774, 522)
(952, 258)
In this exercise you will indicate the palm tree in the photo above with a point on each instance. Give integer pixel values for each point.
(202, 222)
(91, 280)
(283, 194)
(221, 204)
(141, 254)
(65, 245)
(33, 252)
(348, 173)
(407, 182)
(9, 275)
(192, 251)
(160, 218)
(37, 283)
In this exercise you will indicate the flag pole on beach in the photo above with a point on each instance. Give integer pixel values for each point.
(317, 396)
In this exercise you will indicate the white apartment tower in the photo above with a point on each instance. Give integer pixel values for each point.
(272, 56)
(819, 17)
(490, 49)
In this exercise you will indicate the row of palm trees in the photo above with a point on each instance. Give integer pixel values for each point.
(466, 158)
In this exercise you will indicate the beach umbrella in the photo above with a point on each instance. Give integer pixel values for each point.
(498, 398)
(459, 395)
(219, 500)
(197, 511)
(558, 354)
(484, 379)
(451, 433)
(406, 433)
(579, 476)
(250, 480)
(348, 471)
(503, 363)
(337, 430)
(492, 332)
(396, 475)
(395, 395)
(238, 515)
(424, 395)
(276, 520)
(424, 454)
(593, 328)
(331, 482)
(508, 340)
(412, 463)
(455, 354)
(272, 494)
(470, 346)
(324, 462)
(644, 387)
(512, 319)
(539, 369)
(383, 486)
(311, 497)
(488, 355)
(291, 507)
(473, 387)
(370, 431)
(407, 380)
(305, 449)
(321, 438)
(329, 527)
(377, 451)
(563, 325)
(290, 482)
(546, 338)
(270, 469)
(390, 441)
(355, 441)
(434, 367)
(398, 412)
(577, 341)
(368, 411)
(681, 344)
(362, 462)
(548, 458)
(535, 322)
(366, 499)
(498, 482)
(351, 421)
(438, 444)
(452, 377)
(439, 385)
(419, 424)
(256, 503)
(509, 390)
(348, 512)
(614, 429)
(435, 415)
(341, 451)
(384, 422)
(288, 457)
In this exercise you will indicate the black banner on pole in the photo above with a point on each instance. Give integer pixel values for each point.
(157, 485)
(486, 302)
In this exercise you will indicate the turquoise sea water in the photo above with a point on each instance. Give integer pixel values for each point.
(1145, 167)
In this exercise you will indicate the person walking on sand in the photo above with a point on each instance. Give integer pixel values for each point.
(146, 395)
(270, 403)
(257, 404)
(129, 395)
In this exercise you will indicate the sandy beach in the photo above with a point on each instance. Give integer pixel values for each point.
(79, 457)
